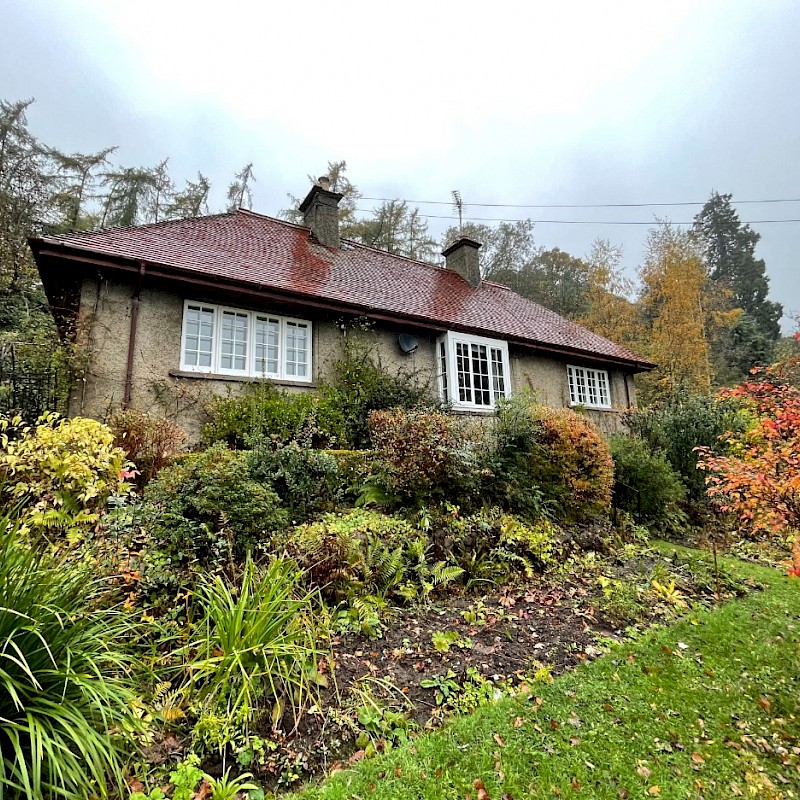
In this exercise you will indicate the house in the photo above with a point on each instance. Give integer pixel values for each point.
(171, 312)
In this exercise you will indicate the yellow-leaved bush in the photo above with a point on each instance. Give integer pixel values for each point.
(61, 472)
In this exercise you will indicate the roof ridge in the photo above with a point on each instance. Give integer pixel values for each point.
(161, 223)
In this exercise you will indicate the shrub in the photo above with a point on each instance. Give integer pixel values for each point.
(490, 545)
(336, 415)
(62, 690)
(424, 456)
(360, 385)
(363, 552)
(149, 442)
(263, 411)
(354, 469)
(203, 503)
(645, 483)
(62, 472)
(256, 645)
(682, 424)
(556, 451)
(306, 480)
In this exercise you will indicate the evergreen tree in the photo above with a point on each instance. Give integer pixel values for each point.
(26, 186)
(78, 186)
(396, 228)
(505, 249)
(239, 192)
(728, 248)
(191, 202)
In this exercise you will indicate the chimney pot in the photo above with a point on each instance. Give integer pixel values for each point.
(462, 257)
(325, 182)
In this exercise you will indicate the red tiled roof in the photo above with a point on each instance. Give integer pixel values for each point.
(270, 254)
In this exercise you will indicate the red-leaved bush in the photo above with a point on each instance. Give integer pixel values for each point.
(759, 478)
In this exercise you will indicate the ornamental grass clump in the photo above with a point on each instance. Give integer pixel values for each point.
(64, 696)
(255, 648)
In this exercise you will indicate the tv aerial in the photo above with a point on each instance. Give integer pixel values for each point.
(458, 206)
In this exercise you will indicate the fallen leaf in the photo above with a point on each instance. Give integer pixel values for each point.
(643, 771)
(499, 739)
(518, 722)
(553, 724)
(477, 784)
(654, 790)
(624, 794)
(204, 791)
(437, 773)
(576, 784)
(356, 757)
(764, 703)
(397, 772)
(698, 759)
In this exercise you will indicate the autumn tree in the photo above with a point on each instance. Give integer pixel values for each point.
(609, 310)
(672, 305)
(759, 479)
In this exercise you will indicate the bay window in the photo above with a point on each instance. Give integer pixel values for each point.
(231, 341)
(473, 371)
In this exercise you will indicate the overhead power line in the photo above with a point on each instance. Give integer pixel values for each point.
(578, 221)
(575, 205)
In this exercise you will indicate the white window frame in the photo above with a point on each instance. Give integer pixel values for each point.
(250, 370)
(447, 372)
(588, 387)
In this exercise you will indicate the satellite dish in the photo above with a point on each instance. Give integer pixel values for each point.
(408, 343)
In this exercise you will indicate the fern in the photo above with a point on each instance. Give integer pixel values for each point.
(443, 574)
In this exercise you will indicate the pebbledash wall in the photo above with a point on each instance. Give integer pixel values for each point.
(159, 387)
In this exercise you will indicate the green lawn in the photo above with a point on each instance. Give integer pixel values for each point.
(708, 708)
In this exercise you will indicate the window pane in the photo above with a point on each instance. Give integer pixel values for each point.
(296, 350)
(267, 335)
(198, 344)
(443, 368)
(480, 374)
(498, 376)
(233, 341)
(602, 384)
(463, 373)
(580, 386)
(591, 387)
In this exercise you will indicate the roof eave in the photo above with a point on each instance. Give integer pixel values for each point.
(46, 246)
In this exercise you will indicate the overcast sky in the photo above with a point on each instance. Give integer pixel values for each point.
(511, 103)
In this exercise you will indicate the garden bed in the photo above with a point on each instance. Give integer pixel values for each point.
(464, 651)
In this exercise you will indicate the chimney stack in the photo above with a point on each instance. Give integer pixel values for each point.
(320, 212)
(462, 257)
